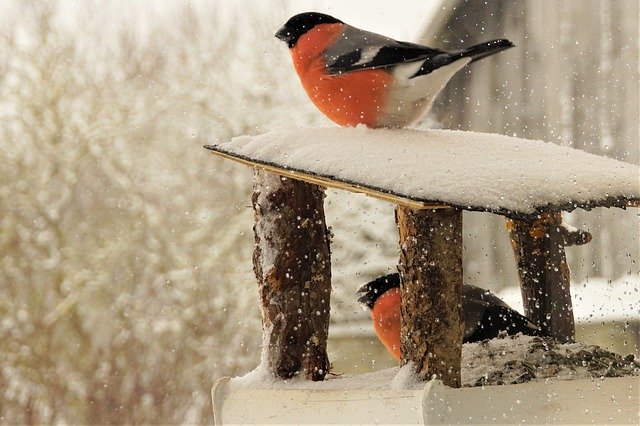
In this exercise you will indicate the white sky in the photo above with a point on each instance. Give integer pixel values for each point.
(404, 20)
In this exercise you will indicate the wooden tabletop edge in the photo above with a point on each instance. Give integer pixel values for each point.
(332, 182)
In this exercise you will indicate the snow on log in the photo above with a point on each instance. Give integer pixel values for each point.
(472, 171)
(292, 264)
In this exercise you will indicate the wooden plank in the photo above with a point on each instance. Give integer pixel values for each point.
(633, 203)
(330, 183)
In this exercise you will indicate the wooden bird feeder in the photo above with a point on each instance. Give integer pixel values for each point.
(432, 176)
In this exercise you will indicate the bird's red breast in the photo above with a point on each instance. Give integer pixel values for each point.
(347, 99)
(386, 320)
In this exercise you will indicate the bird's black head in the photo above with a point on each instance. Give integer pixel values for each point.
(299, 24)
(376, 288)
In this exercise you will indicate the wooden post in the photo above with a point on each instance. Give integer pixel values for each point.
(431, 282)
(538, 245)
(292, 264)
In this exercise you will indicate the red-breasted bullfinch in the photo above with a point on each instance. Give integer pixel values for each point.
(485, 315)
(359, 77)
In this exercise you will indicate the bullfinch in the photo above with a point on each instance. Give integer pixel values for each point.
(359, 77)
(485, 315)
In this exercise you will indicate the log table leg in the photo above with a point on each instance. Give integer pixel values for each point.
(431, 283)
(538, 245)
(292, 264)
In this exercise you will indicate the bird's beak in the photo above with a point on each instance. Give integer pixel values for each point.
(366, 298)
(284, 34)
(364, 288)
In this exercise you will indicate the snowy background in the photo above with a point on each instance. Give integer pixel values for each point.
(126, 283)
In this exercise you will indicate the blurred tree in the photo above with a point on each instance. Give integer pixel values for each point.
(120, 238)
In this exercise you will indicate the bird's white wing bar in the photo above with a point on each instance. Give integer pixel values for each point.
(367, 55)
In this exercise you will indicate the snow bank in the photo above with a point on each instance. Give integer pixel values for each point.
(549, 383)
(509, 360)
(595, 300)
(476, 171)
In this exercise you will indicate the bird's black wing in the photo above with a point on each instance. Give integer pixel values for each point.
(482, 296)
(385, 57)
(497, 319)
(357, 50)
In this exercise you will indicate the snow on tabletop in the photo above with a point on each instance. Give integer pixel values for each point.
(507, 360)
(476, 171)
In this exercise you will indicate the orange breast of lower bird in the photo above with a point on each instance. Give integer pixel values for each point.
(386, 320)
(348, 99)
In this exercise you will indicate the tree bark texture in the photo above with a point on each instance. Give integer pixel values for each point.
(292, 265)
(431, 283)
(538, 245)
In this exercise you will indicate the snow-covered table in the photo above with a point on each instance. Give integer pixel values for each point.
(430, 168)
(432, 175)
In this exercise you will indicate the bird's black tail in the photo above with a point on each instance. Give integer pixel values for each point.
(483, 50)
(476, 52)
